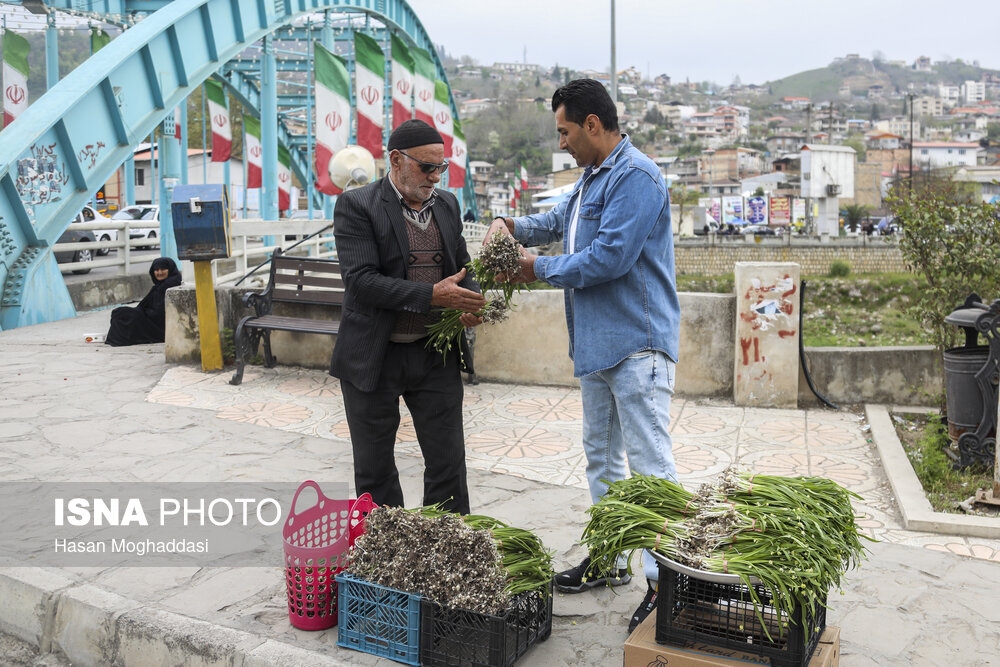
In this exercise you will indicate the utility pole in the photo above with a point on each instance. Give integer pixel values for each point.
(909, 98)
(614, 67)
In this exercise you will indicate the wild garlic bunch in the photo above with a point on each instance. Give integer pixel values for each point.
(499, 256)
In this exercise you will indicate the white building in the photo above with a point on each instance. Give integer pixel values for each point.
(200, 170)
(936, 154)
(950, 94)
(973, 91)
(562, 161)
(899, 125)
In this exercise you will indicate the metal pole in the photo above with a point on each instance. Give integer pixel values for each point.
(310, 92)
(51, 51)
(910, 99)
(204, 142)
(269, 134)
(183, 111)
(614, 67)
(329, 44)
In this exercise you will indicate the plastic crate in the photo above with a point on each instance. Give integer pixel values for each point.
(378, 620)
(690, 609)
(459, 638)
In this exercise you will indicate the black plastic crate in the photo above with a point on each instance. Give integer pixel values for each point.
(690, 609)
(458, 638)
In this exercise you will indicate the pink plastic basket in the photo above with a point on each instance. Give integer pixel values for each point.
(315, 543)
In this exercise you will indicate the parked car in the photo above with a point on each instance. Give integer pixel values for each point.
(710, 226)
(74, 235)
(89, 214)
(144, 220)
(759, 230)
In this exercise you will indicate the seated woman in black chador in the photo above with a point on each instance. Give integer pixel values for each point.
(146, 322)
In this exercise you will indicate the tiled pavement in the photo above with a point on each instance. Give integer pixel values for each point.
(534, 432)
(76, 411)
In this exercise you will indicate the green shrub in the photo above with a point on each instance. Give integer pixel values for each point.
(839, 269)
(952, 241)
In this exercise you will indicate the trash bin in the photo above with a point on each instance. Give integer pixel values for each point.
(972, 373)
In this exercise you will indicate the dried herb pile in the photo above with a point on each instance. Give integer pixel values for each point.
(499, 256)
(796, 535)
(470, 562)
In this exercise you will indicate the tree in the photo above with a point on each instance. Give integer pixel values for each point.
(653, 116)
(854, 214)
(953, 241)
(556, 73)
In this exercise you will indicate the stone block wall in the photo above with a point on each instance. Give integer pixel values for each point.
(700, 257)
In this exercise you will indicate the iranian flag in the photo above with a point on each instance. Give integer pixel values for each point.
(442, 115)
(284, 179)
(253, 153)
(402, 82)
(513, 194)
(333, 114)
(423, 86)
(524, 178)
(15, 76)
(456, 168)
(98, 40)
(218, 111)
(369, 89)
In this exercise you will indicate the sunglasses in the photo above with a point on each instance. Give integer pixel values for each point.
(428, 167)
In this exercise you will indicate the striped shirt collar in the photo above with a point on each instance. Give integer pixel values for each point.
(419, 218)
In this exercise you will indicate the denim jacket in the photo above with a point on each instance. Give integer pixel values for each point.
(620, 290)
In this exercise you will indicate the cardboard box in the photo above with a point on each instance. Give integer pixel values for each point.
(641, 650)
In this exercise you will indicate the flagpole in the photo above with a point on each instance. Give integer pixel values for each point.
(246, 190)
(310, 94)
(204, 145)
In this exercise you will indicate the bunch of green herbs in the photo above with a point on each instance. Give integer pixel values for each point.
(797, 536)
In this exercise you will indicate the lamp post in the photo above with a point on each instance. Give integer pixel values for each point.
(909, 99)
(710, 152)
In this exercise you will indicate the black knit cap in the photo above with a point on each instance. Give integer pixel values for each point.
(413, 133)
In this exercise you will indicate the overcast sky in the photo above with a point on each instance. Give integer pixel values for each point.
(713, 40)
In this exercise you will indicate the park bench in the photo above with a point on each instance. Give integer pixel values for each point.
(294, 281)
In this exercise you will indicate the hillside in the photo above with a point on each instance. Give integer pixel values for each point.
(860, 73)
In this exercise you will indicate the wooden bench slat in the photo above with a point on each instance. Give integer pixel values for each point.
(328, 297)
(294, 324)
(285, 263)
(332, 282)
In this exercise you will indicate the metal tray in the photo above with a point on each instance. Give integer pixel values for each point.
(704, 575)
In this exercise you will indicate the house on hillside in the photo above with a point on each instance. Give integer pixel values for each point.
(883, 140)
(937, 154)
(794, 103)
(922, 64)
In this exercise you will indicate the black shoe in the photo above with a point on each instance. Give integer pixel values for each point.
(583, 577)
(645, 609)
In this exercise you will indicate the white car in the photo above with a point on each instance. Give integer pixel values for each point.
(89, 214)
(144, 220)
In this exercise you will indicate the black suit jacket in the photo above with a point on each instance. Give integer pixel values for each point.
(373, 250)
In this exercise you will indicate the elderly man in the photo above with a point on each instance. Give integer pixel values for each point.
(617, 272)
(402, 253)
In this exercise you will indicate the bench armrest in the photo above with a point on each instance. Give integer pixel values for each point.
(259, 301)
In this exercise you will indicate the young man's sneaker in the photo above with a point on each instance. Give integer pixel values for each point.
(645, 609)
(583, 577)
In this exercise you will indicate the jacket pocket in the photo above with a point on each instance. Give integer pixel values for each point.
(591, 210)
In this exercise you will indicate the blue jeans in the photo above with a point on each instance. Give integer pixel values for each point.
(626, 412)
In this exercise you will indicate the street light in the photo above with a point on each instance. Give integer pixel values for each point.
(710, 152)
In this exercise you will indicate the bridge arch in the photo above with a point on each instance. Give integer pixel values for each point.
(72, 139)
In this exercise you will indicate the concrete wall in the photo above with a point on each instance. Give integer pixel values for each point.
(905, 375)
(532, 348)
(92, 294)
(718, 255)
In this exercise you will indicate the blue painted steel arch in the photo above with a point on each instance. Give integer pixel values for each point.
(73, 139)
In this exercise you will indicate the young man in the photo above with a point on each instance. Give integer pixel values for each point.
(401, 253)
(617, 271)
